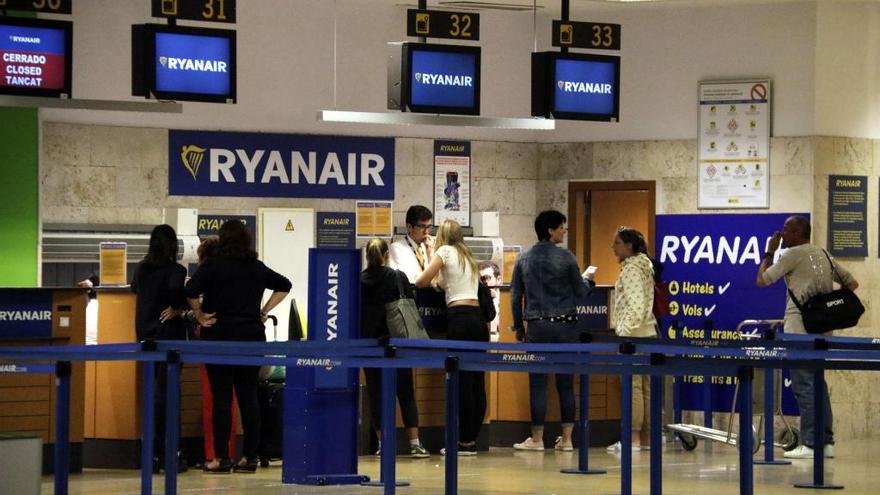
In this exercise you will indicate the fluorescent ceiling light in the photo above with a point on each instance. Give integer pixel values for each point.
(405, 118)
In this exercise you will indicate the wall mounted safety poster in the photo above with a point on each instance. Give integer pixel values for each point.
(710, 263)
(452, 182)
(733, 161)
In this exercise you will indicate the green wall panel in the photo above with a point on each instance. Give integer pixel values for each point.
(20, 203)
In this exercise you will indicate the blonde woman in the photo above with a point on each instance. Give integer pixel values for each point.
(379, 286)
(633, 316)
(454, 269)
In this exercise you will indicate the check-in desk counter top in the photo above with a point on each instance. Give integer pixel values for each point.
(27, 402)
(113, 389)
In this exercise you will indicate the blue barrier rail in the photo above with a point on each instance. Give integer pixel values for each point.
(625, 357)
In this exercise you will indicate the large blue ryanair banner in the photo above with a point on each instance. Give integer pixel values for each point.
(204, 163)
(710, 263)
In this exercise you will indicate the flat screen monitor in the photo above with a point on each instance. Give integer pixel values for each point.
(576, 86)
(440, 79)
(183, 63)
(35, 57)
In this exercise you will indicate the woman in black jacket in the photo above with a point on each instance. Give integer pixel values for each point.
(231, 286)
(158, 283)
(379, 286)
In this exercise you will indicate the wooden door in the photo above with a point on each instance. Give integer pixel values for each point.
(596, 211)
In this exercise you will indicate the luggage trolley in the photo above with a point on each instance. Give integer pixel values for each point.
(787, 439)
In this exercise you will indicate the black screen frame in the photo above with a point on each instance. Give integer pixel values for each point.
(143, 63)
(405, 78)
(544, 82)
(67, 28)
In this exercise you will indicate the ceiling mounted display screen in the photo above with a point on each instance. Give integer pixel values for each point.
(441, 79)
(183, 63)
(576, 86)
(35, 57)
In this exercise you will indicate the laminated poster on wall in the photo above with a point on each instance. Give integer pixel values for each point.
(710, 263)
(733, 159)
(373, 219)
(452, 182)
(112, 259)
(848, 215)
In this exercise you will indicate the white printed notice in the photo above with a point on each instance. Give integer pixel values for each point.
(452, 182)
(733, 162)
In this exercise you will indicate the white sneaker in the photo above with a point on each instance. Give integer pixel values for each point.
(565, 447)
(800, 452)
(529, 444)
(829, 451)
(615, 447)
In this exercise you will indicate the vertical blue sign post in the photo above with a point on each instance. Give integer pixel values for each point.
(320, 398)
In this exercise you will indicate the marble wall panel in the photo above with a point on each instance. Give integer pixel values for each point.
(138, 186)
(843, 156)
(552, 194)
(67, 144)
(423, 157)
(404, 156)
(413, 190)
(791, 193)
(659, 159)
(517, 161)
(565, 161)
(484, 157)
(791, 156)
(128, 147)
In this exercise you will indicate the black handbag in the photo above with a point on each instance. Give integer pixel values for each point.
(834, 310)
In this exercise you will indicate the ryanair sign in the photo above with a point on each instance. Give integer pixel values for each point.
(25, 313)
(279, 165)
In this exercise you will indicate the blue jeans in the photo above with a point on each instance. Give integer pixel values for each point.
(542, 331)
(802, 382)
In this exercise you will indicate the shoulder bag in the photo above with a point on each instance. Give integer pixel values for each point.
(402, 316)
(834, 310)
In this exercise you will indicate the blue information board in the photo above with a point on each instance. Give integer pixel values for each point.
(710, 263)
(848, 215)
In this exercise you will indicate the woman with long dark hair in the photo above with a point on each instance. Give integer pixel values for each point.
(225, 294)
(158, 283)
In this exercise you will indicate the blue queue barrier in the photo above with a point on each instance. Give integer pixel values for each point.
(863, 355)
(584, 432)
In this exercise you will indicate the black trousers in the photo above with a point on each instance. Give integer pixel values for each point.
(406, 397)
(223, 378)
(160, 388)
(467, 323)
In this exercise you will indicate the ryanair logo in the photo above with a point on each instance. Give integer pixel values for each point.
(585, 87)
(318, 362)
(11, 368)
(429, 79)
(193, 64)
(522, 358)
(270, 166)
(192, 157)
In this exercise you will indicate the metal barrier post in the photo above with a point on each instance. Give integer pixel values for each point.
(707, 402)
(584, 433)
(819, 389)
(147, 427)
(769, 407)
(172, 419)
(62, 426)
(389, 430)
(452, 379)
(744, 439)
(656, 434)
(626, 396)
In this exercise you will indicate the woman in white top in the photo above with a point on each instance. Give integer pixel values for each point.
(634, 317)
(454, 269)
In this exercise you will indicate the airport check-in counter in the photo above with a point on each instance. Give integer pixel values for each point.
(113, 395)
(43, 317)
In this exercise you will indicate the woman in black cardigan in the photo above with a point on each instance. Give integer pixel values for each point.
(379, 286)
(231, 286)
